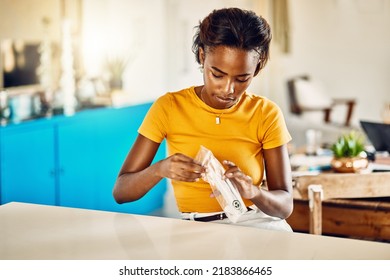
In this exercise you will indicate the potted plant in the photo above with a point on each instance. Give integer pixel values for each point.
(348, 153)
(116, 66)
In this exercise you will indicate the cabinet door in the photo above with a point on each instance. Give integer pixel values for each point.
(117, 133)
(92, 146)
(77, 162)
(27, 164)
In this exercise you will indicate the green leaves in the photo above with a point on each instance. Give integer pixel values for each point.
(348, 145)
(116, 66)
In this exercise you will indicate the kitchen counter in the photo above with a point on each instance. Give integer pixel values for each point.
(32, 231)
(56, 114)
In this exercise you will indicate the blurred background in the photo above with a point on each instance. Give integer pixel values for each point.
(63, 56)
(342, 43)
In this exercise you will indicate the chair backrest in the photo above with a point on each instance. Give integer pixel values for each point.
(307, 95)
(292, 94)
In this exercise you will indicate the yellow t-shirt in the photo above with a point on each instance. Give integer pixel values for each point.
(251, 125)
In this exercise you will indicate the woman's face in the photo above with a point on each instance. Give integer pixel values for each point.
(227, 73)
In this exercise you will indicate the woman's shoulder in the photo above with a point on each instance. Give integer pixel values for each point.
(263, 106)
(259, 100)
(177, 94)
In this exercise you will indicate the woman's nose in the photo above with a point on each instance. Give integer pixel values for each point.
(229, 88)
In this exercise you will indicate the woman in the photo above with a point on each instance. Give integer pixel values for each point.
(246, 132)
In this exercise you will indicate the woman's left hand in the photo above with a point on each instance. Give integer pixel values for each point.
(241, 181)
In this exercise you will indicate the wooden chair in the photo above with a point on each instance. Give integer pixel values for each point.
(322, 187)
(297, 109)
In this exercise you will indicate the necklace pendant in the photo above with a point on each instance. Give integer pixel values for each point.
(217, 120)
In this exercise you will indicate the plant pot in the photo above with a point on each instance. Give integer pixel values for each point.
(116, 83)
(349, 164)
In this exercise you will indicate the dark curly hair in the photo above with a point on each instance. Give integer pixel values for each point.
(234, 27)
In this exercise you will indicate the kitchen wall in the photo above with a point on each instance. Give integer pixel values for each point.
(133, 30)
(343, 43)
(155, 34)
(23, 20)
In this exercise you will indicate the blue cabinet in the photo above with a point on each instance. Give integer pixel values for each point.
(74, 161)
(78, 157)
(113, 148)
(28, 168)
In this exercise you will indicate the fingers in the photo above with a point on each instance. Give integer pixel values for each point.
(183, 168)
(232, 169)
(215, 193)
(229, 163)
(188, 164)
(234, 172)
(241, 181)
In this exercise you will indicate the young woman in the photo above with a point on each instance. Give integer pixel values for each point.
(246, 132)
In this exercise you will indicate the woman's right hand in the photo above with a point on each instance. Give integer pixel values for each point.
(180, 167)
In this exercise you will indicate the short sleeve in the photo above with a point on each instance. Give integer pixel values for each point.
(155, 123)
(274, 132)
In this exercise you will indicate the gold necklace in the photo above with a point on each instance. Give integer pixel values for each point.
(217, 117)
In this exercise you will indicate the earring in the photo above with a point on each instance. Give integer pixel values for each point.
(201, 68)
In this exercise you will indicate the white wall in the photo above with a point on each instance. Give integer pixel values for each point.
(132, 28)
(343, 43)
(346, 45)
(182, 17)
(158, 33)
(23, 19)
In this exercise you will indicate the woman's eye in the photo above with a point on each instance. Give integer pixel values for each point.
(216, 76)
(242, 81)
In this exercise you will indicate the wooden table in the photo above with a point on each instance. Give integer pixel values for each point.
(367, 219)
(354, 205)
(29, 231)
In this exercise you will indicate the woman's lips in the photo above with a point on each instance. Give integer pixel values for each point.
(225, 100)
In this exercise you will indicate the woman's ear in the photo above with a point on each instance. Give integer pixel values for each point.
(201, 55)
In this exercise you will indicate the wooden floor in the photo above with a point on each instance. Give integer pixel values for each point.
(367, 219)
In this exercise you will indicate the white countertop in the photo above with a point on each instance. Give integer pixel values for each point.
(29, 231)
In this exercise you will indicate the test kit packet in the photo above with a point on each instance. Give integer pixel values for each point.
(224, 191)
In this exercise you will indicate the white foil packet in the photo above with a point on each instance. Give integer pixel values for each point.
(224, 191)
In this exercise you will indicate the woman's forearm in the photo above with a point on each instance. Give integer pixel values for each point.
(131, 186)
(277, 203)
